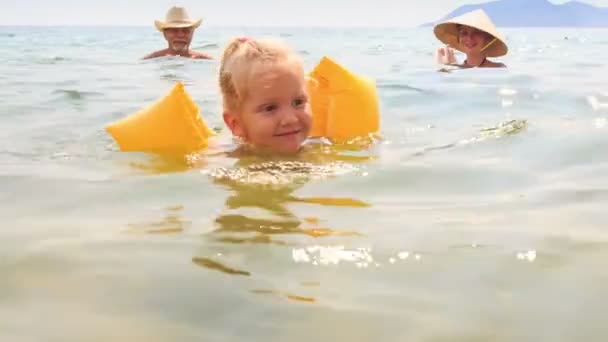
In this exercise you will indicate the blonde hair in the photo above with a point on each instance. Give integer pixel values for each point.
(242, 56)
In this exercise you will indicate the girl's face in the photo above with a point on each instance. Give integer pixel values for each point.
(275, 114)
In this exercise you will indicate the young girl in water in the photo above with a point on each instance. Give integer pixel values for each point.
(264, 95)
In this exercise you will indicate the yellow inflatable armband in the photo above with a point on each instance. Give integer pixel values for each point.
(344, 105)
(171, 125)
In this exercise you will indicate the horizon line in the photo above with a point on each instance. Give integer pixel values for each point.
(267, 26)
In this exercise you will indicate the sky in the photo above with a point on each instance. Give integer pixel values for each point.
(235, 12)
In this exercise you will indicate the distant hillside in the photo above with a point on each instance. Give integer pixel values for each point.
(538, 13)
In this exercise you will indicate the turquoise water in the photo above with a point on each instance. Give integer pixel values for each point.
(479, 216)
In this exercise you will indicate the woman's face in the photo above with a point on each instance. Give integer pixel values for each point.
(472, 40)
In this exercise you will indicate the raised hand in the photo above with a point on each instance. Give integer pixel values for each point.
(445, 55)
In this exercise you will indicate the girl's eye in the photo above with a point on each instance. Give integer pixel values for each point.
(298, 102)
(270, 108)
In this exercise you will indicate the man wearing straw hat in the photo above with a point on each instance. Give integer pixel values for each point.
(473, 34)
(178, 29)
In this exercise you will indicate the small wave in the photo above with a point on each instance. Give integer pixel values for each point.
(177, 78)
(376, 50)
(206, 46)
(505, 129)
(51, 60)
(171, 62)
(333, 255)
(597, 103)
(289, 296)
(170, 76)
(589, 65)
(507, 92)
(279, 173)
(399, 86)
(76, 94)
(217, 266)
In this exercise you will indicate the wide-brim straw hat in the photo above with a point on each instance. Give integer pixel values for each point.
(177, 17)
(447, 32)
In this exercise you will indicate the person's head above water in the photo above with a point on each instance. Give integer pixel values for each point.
(473, 34)
(264, 95)
(178, 29)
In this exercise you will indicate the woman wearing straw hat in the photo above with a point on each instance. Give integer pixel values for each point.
(178, 29)
(473, 34)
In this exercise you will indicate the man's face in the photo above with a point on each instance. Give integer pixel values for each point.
(179, 38)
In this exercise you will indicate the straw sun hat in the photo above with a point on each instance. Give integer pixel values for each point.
(447, 32)
(177, 17)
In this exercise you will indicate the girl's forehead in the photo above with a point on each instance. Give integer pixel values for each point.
(280, 66)
(269, 75)
(273, 70)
